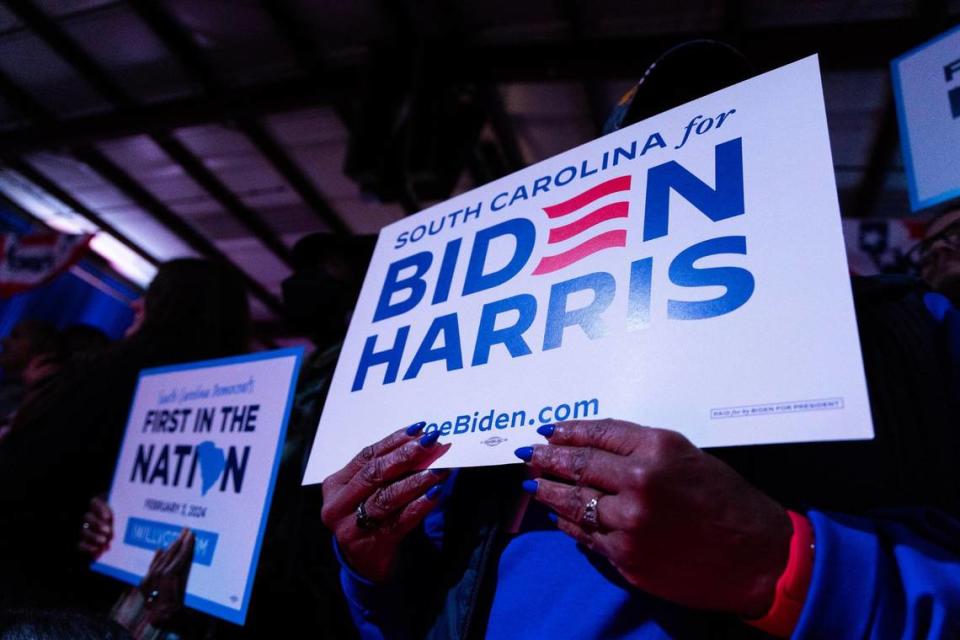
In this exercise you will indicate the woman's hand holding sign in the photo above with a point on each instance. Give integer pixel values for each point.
(166, 581)
(673, 520)
(96, 533)
(160, 595)
(380, 496)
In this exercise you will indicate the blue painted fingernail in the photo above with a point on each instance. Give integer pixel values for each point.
(524, 453)
(414, 429)
(434, 492)
(530, 486)
(430, 439)
(547, 430)
(552, 517)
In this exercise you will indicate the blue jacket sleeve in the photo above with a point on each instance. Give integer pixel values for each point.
(379, 610)
(892, 575)
(376, 609)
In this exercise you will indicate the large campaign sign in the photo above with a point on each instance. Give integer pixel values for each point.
(201, 451)
(926, 83)
(686, 272)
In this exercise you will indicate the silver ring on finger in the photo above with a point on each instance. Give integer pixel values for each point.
(591, 518)
(364, 521)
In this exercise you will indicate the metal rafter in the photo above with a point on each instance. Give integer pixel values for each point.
(35, 176)
(24, 103)
(274, 97)
(607, 58)
(140, 196)
(296, 35)
(34, 110)
(98, 262)
(39, 114)
(182, 46)
(179, 43)
(199, 173)
(308, 54)
(48, 30)
(840, 47)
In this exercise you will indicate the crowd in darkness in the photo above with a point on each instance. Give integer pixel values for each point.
(610, 530)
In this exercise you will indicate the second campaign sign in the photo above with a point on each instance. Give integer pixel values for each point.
(201, 451)
(687, 272)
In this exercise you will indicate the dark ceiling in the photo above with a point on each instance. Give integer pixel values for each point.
(230, 128)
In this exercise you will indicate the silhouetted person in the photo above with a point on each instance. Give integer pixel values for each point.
(63, 445)
(298, 574)
(28, 340)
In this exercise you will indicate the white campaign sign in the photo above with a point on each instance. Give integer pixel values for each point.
(926, 83)
(686, 272)
(201, 451)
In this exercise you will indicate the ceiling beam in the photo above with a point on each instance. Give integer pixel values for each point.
(281, 161)
(93, 259)
(303, 42)
(275, 97)
(43, 117)
(613, 58)
(182, 46)
(35, 176)
(145, 200)
(34, 18)
(179, 43)
(24, 103)
(88, 68)
(33, 110)
(840, 46)
(198, 172)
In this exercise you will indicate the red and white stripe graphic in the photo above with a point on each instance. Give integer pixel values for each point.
(581, 227)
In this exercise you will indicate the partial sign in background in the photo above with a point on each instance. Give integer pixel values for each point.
(926, 83)
(32, 259)
(880, 245)
(201, 451)
(687, 272)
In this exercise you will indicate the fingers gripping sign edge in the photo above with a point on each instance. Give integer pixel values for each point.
(396, 496)
(410, 456)
(414, 513)
(380, 448)
(581, 465)
(615, 436)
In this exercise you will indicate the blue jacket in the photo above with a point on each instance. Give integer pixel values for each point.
(891, 573)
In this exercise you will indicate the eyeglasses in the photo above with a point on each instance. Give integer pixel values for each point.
(920, 252)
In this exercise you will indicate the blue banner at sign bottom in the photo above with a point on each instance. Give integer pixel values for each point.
(148, 534)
